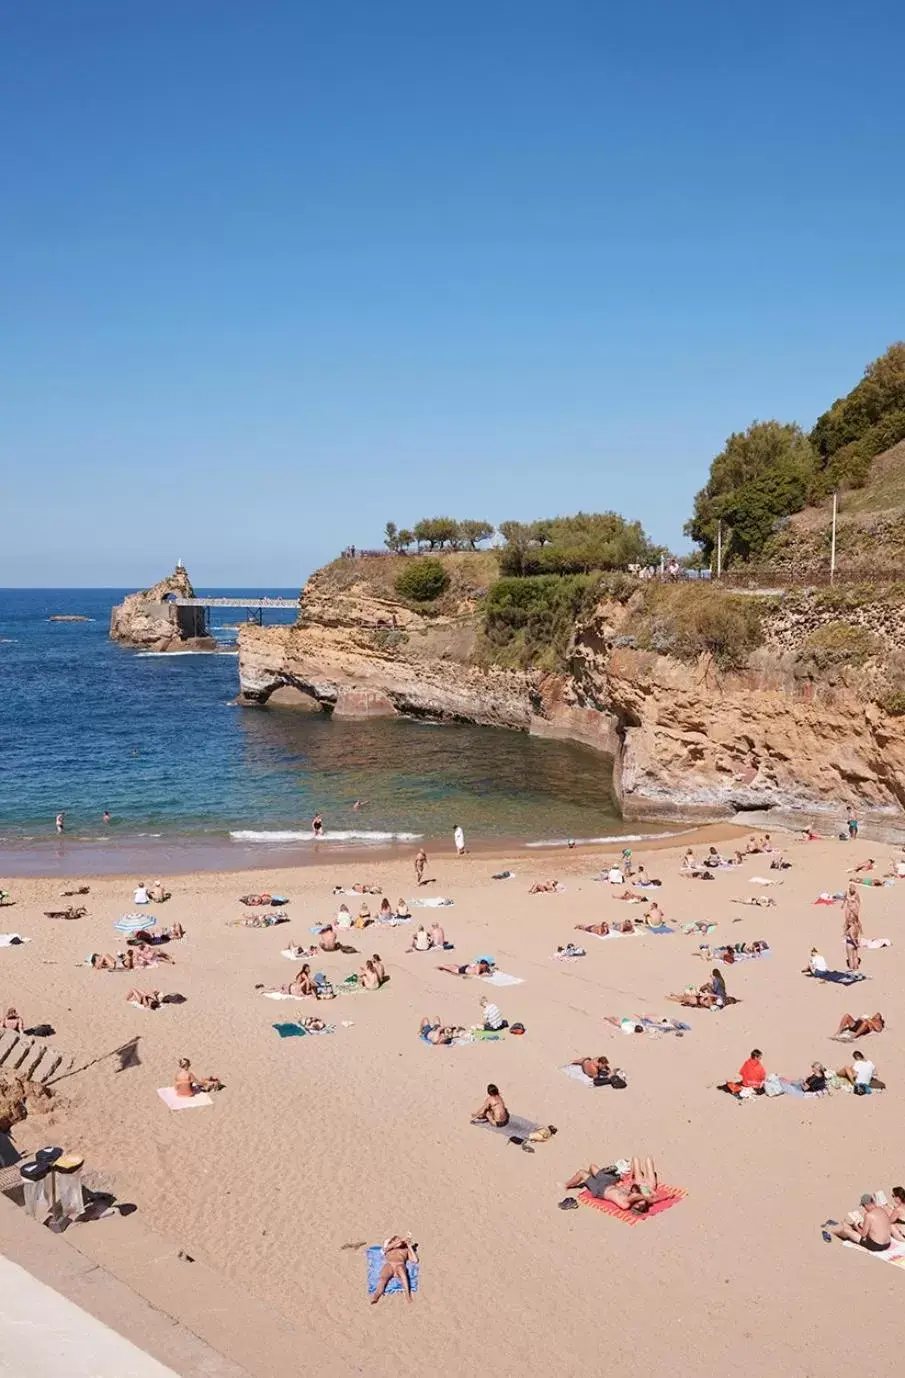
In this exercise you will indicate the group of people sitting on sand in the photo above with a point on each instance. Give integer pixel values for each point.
(711, 995)
(424, 939)
(150, 894)
(752, 1078)
(876, 1224)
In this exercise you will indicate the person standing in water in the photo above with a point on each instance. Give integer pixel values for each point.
(459, 839)
(317, 825)
(106, 815)
(420, 863)
(60, 821)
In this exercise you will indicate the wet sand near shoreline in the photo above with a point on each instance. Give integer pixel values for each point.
(323, 1142)
(61, 857)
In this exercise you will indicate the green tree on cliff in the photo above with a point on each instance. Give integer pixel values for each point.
(472, 533)
(574, 545)
(868, 420)
(762, 474)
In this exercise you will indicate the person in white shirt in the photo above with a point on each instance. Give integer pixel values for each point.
(459, 839)
(861, 1072)
(493, 1017)
(343, 917)
(141, 894)
(816, 964)
(615, 876)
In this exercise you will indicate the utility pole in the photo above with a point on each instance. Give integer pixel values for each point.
(719, 548)
(833, 539)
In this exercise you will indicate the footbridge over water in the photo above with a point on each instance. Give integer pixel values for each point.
(254, 607)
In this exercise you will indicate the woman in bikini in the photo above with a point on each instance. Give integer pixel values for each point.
(187, 1084)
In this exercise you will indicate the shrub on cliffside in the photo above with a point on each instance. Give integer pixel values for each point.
(688, 621)
(422, 580)
(532, 621)
(575, 545)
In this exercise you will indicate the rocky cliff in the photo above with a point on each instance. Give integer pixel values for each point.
(805, 723)
(150, 620)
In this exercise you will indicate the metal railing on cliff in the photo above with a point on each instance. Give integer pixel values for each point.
(790, 576)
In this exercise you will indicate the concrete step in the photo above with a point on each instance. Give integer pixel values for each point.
(8, 1041)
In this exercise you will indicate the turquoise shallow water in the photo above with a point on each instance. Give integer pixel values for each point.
(87, 726)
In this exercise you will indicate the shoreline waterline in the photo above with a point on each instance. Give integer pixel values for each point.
(62, 857)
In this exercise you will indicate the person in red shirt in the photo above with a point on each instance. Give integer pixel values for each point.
(751, 1075)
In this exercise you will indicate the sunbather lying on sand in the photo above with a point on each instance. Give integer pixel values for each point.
(187, 1084)
(145, 956)
(469, 969)
(871, 1227)
(260, 921)
(569, 951)
(160, 935)
(301, 984)
(358, 889)
(851, 1026)
(71, 913)
(397, 1252)
(727, 952)
(432, 1031)
(544, 887)
(815, 1082)
(493, 1110)
(13, 1020)
(601, 929)
(863, 868)
(148, 999)
(82, 890)
(103, 961)
(633, 1192)
(695, 874)
(629, 896)
(758, 902)
(711, 994)
(593, 1067)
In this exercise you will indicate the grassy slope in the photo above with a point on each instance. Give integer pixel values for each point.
(870, 524)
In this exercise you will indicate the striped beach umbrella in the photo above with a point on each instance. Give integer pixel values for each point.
(133, 923)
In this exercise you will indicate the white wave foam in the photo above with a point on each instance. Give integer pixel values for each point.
(596, 841)
(166, 655)
(283, 835)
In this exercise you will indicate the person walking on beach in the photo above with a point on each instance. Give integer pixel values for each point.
(420, 863)
(851, 822)
(852, 930)
(60, 821)
(459, 839)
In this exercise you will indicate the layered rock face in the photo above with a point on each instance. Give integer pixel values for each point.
(776, 740)
(147, 619)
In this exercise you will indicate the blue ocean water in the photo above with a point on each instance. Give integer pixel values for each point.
(86, 725)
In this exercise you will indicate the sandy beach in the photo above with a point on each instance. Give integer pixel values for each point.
(322, 1143)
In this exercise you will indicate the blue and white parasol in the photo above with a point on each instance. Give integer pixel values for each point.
(134, 923)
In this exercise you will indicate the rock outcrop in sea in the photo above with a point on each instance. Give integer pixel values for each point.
(791, 735)
(151, 620)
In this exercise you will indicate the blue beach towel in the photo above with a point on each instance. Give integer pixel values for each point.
(290, 1030)
(840, 978)
(375, 1266)
(660, 928)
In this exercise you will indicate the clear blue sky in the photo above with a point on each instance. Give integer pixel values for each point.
(274, 273)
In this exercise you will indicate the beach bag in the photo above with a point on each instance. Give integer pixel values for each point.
(772, 1085)
(618, 1081)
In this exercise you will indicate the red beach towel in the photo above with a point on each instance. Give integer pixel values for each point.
(664, 1197)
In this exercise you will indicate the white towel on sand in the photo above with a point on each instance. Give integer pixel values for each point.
(502, 978)
(576, 1074)
(12, 939)
(436, 902)
(282, 995)
(169, 1097)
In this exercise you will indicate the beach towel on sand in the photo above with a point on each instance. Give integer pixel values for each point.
(283, 995)
(375, 1266)
(436, 902)
(839, 978)
(502, 978)
(169, 1097)
(292, 1030)
(664, 1197)
(576, 1074)
(895, 1254)
(12, 939)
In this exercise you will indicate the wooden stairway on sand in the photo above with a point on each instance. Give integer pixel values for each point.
(32, 1059)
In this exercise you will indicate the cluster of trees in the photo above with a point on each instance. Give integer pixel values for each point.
(575, 545)
(438, 533)
(772, 470)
